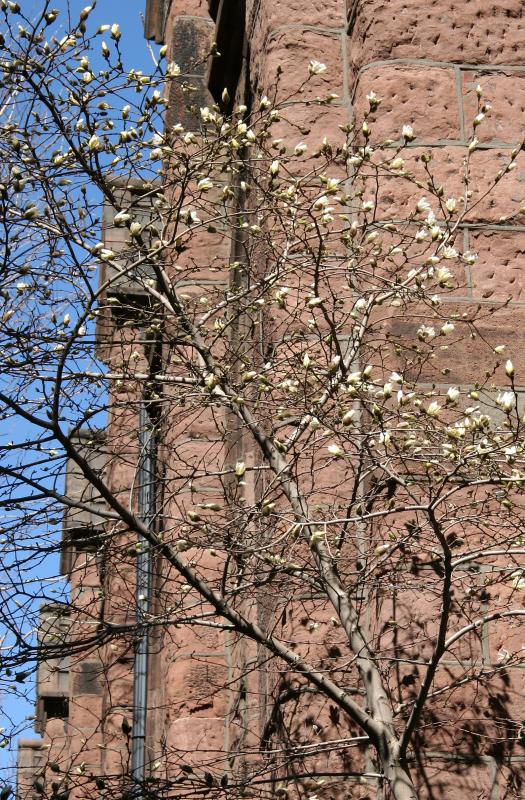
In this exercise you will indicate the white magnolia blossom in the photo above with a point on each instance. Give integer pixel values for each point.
(506, 400)
(422, 206)
(172, 70)
(433, 409)
(335, 450)
(316, 67)
(121, 218)
(426, 333)
(443, 275)
(94, 143)
(205, 184)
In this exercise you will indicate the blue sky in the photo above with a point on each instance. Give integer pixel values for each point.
(129, 15)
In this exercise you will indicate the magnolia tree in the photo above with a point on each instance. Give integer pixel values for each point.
(287, 436)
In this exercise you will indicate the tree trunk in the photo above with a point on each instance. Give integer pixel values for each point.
(400, 782)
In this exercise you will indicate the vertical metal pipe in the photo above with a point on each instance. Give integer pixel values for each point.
(146, 508)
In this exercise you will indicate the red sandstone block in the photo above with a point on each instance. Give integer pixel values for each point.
(190, 38)
(117, 744)
(291, 51)
(118, 683)
(507, 636)
(504, 198)
(498, 273)
(283, 13)
(407, 620)
(455, 780)
(442, 31)
(207, 258)
(193, 8)
(396, 196)
(506, 94)
(472, 355)
(491, 199)
(310, 125)
(186, 96)
(197, 686)
(198, 457)
(187, 642)
(197, 740)
(424, 97)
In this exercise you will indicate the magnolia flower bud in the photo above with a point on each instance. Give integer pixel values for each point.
(509, 369)
(274, 168)
(335, 450)
(453, 394)
(240, 469)
(397, 163)
(373, 100)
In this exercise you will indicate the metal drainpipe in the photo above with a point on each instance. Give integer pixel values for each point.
(146, 508)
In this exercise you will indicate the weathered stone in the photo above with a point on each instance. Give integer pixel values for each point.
(424, 97)
(441, 30)
(505, 92)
